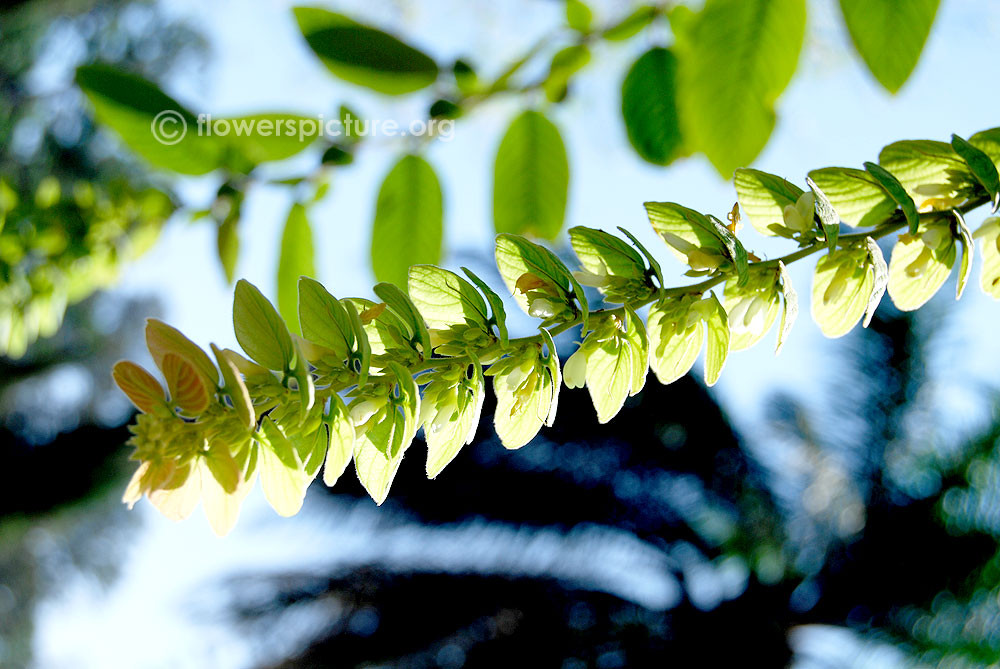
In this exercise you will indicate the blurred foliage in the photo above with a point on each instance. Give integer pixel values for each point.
(708, 86)
(71, 210)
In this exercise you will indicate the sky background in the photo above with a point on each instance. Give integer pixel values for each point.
(833, 113)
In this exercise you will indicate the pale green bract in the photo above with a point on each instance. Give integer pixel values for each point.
(753, 307)
(842, 286)
(611, 362)
(989, 233)
(920, 264)
(367, 374)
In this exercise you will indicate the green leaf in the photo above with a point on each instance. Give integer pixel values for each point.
(295, 260)
(880, 279)
(764, 197)
(407, 311)
(261, 138)
(790, 312)
(578, 15)
(499, 316)
(981, 165)
(140, 112)
(260, 330)
(409, 217)
(631, 25)
(828, 216)
(530, 178)
(445, 299)
(988, 141)
(856, 196)
(281, 474)
(602, 253)
(917, 270)
(324, 319)
(717, 347)
(735, 58)
(341, 434)
(897, 192)
(674, 339)
(889, 35)
(963, 235)
(565, 63)
(669, 218)
(734, 249)
(162, 339)
(934, 175)
(649, 107)
(227, 242)
(236, 388)
(517, 256)
(842, 286)
(364, 55)
(654, 265)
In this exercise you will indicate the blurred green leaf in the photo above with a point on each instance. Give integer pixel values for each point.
(296, 259)
(260, 138)
(565, 63)
(735, 59)
(227, 243)
(336, 155)
(409, 217)
(631, 25)
(140, 112)
(649, 107)
(889, 35)
(530, 178)
(364, 55)
(578, 15)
